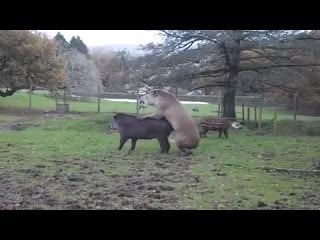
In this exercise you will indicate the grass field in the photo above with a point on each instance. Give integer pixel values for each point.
(71, 162)
(20, 100)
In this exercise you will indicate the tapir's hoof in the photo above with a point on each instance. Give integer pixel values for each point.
(185, 153)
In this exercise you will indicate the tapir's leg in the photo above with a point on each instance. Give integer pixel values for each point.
(225, 131)
(123, 140)
(203, 131)
(133, 144)
(220, 133)
(163, 144)
(166, 145)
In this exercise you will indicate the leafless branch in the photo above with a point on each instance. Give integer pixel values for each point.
(209, 85)
(277, 66)
(267, 47)
(267, 56)
(282, 87)
(191, 36)
(306, 38)
(138, 78)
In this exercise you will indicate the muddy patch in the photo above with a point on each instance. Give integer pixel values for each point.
(152, 186)
(147, 184)
(311, 199)
(22, 120)
(13, 127)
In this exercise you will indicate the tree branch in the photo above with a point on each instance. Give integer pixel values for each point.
(270, 56)
(282, 87)
(139, 78)
(189, 37)
(306, 38)
(208, 72)
(277, 66)
(185, 46)
(182, 79)
(254, 46)
(209, 85)
(264, 56)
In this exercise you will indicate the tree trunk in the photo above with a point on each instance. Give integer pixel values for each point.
(231, 50)
(228, 102)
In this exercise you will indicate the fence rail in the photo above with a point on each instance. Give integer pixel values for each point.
(248, 100)
(248, 105)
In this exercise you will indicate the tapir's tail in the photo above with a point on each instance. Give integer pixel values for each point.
(172, 138)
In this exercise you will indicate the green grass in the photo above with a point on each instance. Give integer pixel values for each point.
(243, 183)
(229, 170)
(20, 100)
(6, 118)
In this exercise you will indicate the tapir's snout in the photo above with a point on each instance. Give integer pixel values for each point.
(113, 125)
(236, 125)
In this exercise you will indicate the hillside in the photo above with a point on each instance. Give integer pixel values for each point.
(133, 49)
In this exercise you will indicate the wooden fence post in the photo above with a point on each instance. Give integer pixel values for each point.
(30, 95)
(248, 117)
(138, 102)
(219, 104)
(255, 113)
(274, 123)
(98, 98)
(260, 118)
(242, 112)
(295, 105)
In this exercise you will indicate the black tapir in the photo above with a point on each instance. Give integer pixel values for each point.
(131, 127)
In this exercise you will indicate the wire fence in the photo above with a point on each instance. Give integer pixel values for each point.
(248, 108)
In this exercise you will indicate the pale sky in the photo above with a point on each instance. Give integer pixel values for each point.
(108, 37)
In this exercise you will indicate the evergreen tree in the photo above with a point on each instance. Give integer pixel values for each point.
(78, 44)
(62, 43)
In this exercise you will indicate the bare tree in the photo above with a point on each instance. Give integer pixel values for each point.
(220, 56)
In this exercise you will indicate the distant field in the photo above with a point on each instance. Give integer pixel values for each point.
(20, 100)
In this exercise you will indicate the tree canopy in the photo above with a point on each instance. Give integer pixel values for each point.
(28, 59)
